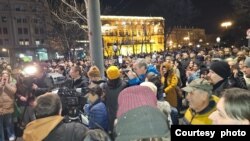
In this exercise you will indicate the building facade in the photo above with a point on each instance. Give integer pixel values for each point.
(126, 35)
(180, 36)
(23, 27)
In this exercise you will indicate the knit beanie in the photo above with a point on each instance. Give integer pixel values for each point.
(134, 97)
(94, 72)
(221, 68)
(150, 85)
(113, 72)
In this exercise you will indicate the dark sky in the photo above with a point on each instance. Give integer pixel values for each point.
(212, 12)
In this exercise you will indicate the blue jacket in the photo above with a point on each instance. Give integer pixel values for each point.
(141, 78)
(97, 115)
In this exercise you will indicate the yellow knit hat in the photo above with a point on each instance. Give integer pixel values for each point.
(113, 72)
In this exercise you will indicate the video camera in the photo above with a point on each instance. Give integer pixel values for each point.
(72, 102)
(56, 78)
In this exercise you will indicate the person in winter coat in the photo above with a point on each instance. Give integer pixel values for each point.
(49, 125)
(140, 71)
(201, 102)
(169, 81)
(112, 89)
(96, 110)
(7, 98)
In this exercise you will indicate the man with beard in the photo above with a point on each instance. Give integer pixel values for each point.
(218, 76)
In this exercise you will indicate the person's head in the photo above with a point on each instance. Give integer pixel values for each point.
(150, 85)
(185, 55)
(196, 66)
(199, 92)
(168, 59)
(203, 72)
(246, 68)
(94, 93)
(192, 55)
(241, 55)
(140, 66)
(230, 62)
(94, 73)
(113, 73)
(75, 72)
(241, 64)
(46, 105)
(133, 97)
(227, 51)
(96, 135)
(166, 68)
(5, 76)
(233, 107)
(219, 70)
(143, 123)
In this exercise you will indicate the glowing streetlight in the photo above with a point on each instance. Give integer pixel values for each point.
(218, 39)
(226, 24)
(4, 50)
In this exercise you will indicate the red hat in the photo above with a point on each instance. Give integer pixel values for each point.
(134, 97)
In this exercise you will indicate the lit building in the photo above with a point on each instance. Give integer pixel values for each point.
(23, 27)
(128, 35)
(186, 36)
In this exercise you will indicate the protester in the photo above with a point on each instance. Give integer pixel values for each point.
(218, 76)
(138, 117)
(49, 125)
(7, 98)
(232, 108)
(96, 110)
(112, 89)
(139, 73)
(169, 81)
(201, 102)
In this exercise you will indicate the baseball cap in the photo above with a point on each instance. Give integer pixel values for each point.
(200, 84)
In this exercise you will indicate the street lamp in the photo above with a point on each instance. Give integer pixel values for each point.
(218, 41)
(226, 24)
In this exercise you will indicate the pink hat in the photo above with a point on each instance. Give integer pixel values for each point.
(134, 97)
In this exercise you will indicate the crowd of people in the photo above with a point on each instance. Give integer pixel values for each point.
(138, 99)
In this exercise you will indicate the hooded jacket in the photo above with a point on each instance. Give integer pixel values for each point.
(53, 128)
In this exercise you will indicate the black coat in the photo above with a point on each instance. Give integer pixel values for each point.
(112, 89)
(82, 82)
(72, 131)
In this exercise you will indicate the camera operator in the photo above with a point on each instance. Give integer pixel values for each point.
(40, 83)
(49, 125)
(140, 71)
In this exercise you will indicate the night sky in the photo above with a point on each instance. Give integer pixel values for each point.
(211, 12)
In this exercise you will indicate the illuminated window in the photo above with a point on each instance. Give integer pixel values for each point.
(26, 42)
(21, 42)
